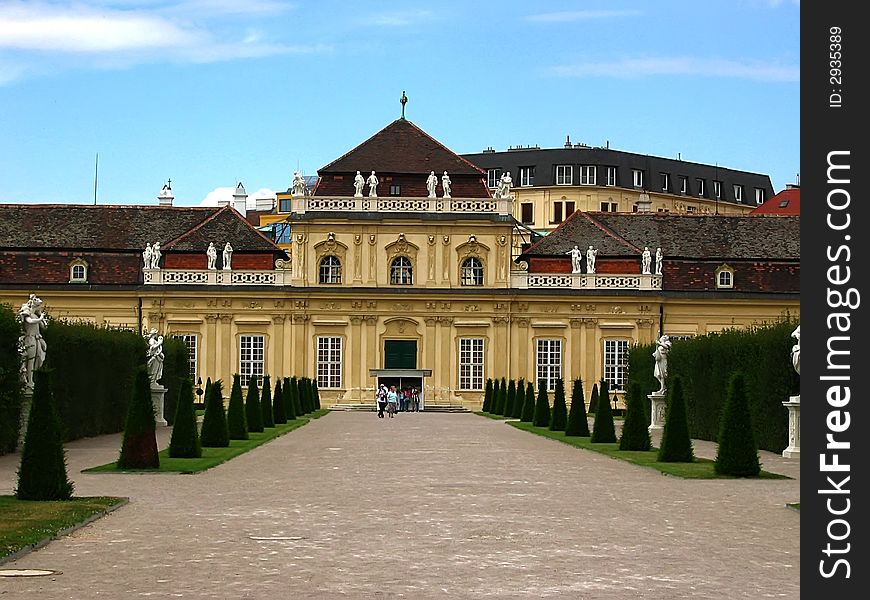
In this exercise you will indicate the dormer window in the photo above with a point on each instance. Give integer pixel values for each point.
(724, 277)
(78, 271)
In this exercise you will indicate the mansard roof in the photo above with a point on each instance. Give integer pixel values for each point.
(124, 228)
(401, 147)
(735, 237)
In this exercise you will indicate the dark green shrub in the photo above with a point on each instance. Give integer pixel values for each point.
(487, 396)
(497, 398)
(176, 368)
(184, 442)
(559, 418)
(42, 472)
(214, 433)
(593, 399)
(139, 447)
(266, 403)
(519, 400)
(510, 398)
(528, 414)
(278, 416)
(635, 427)
(603, 431)
(578, 425)
(237, 425)
(289, 403)
(737, 454)
(315, 394)
(10, 382)
(542, 406)
(253, 407)
(676, 443)
(302, 395)
(296, 397)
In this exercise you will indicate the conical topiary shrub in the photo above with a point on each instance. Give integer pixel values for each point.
(603, 431)
(578, 425)
(237, 425)
(139, 446)
(289, 403)
(497, 398)
(296, 395)
(635, 429)
(542, 406)
(519, 400)
(301, 390)
(738, 453)
(204, 398)
(315, 392)
(266, 403)
(528, 414)
(253, 408)
(487, 396)
(184, 442)
(510, 398)
(676, 442)
(279, 417)
(593, 399)
(42, 472)
(214, 432)
(559, 416)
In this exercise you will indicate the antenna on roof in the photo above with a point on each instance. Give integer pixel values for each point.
(96, 166)
(403, 100)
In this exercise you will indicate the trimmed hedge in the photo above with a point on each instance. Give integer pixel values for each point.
(184, 442)
(542, 407)
(737, 453)
(603, 431)
(706, 364)
(528, 414)
(176, 368)
(279, 417)
(676, 445)
(635, 429)
(266, 402)
(559, 417)
(237, 424)
(578, 425)
(593, 399)
(519, 400)
(253, 407)
(487, 396)
(139, 446)
(510, 398)
(10, 381)
(214, 432)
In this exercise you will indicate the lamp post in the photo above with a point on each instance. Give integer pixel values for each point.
(199, 391)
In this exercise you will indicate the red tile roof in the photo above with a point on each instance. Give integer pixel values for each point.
(787, 202)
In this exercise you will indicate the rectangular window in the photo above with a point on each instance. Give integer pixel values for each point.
(284, 205)
(588, 175)
(395, 190)
(191, 340)
(549, 362)
(684, 185)
(281, 233)
(717, 189)
(527, 176)
(471, 362)
(637, 174)
(328, 362)
(569, 209)
(564, 174)
(701, 189)
(557, 212)
(252, 356)
(605, 206)
(666, 182)
(614, 207)
(738, 193)
(527, 213)
(759, 196)
(611, 176)
(615, 363)
(493, 176)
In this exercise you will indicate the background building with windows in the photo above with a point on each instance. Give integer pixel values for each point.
(402, 287)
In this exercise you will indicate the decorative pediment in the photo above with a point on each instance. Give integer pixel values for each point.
(472, 248)
(330, 247)
(402, 247)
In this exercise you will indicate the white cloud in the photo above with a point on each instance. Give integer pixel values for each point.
(223, 195)
(401, 18)
(581, 15)
(710, 67)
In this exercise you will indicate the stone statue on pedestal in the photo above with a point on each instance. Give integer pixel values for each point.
(659, 259)
(591, 253)
(228, 257)
(445, 183)
(645, 261)
(663, 346)
(211, 253)
(796, 350)
(358, 184)
(576, 259)
(155, 356)
(431, 184)
(31, 344)
(373, 185)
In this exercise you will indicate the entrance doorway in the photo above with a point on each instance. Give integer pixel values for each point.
(403, 378)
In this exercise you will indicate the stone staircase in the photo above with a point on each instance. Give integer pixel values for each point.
(369, 407)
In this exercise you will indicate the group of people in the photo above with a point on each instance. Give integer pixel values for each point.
(390, 400)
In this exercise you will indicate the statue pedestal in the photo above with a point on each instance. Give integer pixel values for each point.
(157, 394)
(26, 401)
(656, 411)
(794, 427)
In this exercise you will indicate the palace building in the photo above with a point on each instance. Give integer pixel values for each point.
(400, 266)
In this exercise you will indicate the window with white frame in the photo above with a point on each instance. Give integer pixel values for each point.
(471, 271)
(548, 360)
(738, 193)
(493, 176)
(759, 195)
(615, 363)
(666, 182)
(78, 271)
(564, 174)
(252, 354)
(684, 185)
(588, 175)
(637, 177)
(610, 177)
(527, 176)
(724, 277)
(401, 271)
(330, 270)
(329, 362)
(471, 363)
(702, 190)
(191, 340)
(717, 189)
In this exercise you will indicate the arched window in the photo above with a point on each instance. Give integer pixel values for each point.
(471, 272)
(330, 270)
(724, 277)
(401, 271)
(78, 271)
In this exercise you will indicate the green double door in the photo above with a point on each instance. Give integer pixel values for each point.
(400, 354)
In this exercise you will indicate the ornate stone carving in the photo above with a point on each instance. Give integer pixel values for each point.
(255, 304)
(402, 306)
(616, 310)
(211, 318)
(521, 321)
(300, 318)
(575, 323)
(522, 306)
(330, 305)
(589, 322)
(226, 319)
(500, 320)
(472, 308)
(356, 319)
(278, 319)
(300, 304)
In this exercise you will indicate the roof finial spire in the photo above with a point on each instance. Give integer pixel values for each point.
(404, 101)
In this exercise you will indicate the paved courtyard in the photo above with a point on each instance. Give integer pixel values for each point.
(425, 505)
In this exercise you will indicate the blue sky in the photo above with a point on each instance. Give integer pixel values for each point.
(212, 92)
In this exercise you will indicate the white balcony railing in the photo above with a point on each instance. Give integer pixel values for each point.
(501, 206)
(211, 277)
(585, 281)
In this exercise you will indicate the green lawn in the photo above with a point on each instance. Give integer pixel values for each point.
(700, 468)
(212, 457)
(491, 415)
(28, 523)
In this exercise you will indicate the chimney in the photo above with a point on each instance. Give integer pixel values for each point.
(567, 141)
(264, 204)
(165, 197)
(240, 199)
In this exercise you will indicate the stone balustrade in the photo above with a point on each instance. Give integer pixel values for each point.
(216, 277)
(586, 281)
(501, 206)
